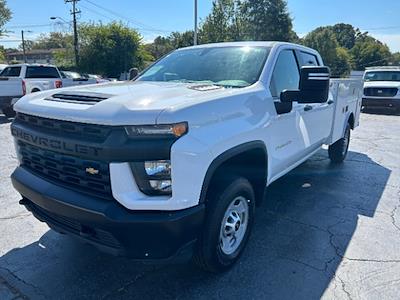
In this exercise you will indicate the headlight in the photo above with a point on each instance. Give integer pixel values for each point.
(153, 177)
(165, 130)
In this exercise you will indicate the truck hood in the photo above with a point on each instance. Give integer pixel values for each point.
(382, 84)
(127, 103)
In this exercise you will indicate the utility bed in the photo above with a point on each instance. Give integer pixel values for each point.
(346, 94)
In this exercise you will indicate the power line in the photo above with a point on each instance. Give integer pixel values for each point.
(33, 25)
(376, 61)
(95, 12)
(10, 41)
(141, 26)
(382, 28)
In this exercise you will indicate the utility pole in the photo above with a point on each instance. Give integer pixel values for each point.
(195, 23)
(74, 12)
(23, 45)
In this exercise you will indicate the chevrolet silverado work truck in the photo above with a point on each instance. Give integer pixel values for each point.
(174, 164)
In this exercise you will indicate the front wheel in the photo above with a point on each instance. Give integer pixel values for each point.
(338, 151)
(230, 214)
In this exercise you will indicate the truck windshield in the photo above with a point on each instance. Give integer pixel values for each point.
(234, 67)
(382, 76)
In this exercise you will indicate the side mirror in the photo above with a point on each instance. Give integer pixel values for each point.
(313, 87)
(133, 73)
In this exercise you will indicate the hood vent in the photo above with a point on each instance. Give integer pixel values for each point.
(205, 87)
(79, 97)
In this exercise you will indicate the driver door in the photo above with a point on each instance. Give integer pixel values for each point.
(287, 133)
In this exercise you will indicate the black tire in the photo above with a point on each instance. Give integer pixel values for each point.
(9, 112)
(35, 90)
(209, 255)
(338, 151)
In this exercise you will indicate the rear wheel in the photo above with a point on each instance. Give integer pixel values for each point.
(338, 151)
(229, 219)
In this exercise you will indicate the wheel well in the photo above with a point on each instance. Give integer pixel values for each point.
(251, 164)
(351, 121)
(35, 90)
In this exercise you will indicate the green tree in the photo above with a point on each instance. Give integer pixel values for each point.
(395, 59)
(342, 65)
(345, 34)
(323, 40)
(109, 49)
(159, 47)
(369, 52)
(53, 40)
(2, 54)
(28, 45)
(179, 40)
(163, 45)
(267, 20)
(5, 15)
(224, 23)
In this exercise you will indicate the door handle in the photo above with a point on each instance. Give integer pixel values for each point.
(330, 102)
(308, 108)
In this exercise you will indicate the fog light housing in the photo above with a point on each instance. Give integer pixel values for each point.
(164, 186)
(153, 177)
(158, 168)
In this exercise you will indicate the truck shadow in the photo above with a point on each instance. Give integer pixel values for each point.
(381, 112)
(302, 231)
(4, 119)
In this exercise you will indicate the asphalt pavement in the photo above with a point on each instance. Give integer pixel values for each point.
(330, 231)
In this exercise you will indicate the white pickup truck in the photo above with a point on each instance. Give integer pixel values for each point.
(382, 89)
(22, 79)
(175, 163)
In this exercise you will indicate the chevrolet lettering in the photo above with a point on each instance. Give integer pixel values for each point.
(53, 143)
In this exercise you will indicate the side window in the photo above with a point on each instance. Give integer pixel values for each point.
(11, 72)
(308, 59)
(286, 73)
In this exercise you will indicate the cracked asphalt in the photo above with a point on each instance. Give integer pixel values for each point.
(324, 231)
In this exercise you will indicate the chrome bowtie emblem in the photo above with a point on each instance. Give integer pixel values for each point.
(92, 171)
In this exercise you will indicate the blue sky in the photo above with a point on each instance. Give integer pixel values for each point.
(159, 17)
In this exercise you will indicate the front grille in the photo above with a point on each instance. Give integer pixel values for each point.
(74, 226)
(67, 170)
(80, 131)
(380, 92)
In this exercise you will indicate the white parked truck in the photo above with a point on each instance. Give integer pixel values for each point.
(175, 163)
(22, 79)
(19, 80)
(382, 89)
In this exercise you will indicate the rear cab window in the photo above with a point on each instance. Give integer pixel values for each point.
(308, 59)
(11, 72)
(41, 72)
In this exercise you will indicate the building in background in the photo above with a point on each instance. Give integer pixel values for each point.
(40, 56)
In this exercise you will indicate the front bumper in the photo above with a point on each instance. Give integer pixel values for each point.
(107, 224)
(381, 103)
